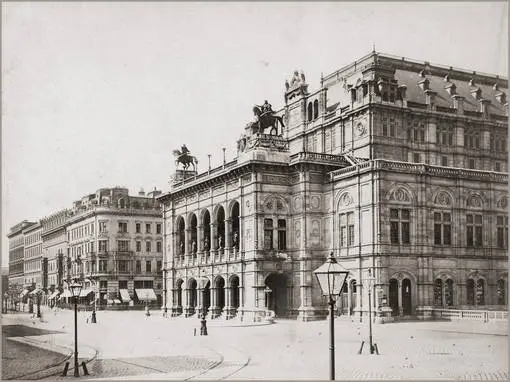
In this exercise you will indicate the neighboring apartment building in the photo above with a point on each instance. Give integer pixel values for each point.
(16, 258)
(399, 167)
(109, 240)
(115, 246)
(54, 238)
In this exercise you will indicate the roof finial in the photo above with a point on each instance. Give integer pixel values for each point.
(373, 47)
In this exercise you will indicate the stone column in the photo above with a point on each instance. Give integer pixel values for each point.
(187, 307)
(213, 238)
(228, 234)
(200, 301)
(200, 237)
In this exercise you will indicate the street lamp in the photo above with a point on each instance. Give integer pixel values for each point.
(38, 297)
(165, 310)
(75, 289)
(331, 277)
(370, 281)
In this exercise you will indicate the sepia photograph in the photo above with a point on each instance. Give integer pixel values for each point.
(254, 190)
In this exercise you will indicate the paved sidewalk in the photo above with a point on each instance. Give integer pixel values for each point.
(132, 346)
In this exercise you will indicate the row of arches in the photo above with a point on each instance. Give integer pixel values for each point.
(475, 292)
(200, 296)
(208, 231)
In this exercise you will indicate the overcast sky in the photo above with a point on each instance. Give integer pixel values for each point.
(99, 94)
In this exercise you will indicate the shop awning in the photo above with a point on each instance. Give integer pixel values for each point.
(146, 294)
(53, 295)
(66, 293)
(34, 292)
(117, 301)
(85, 292)
(124, 295)
(24, 293)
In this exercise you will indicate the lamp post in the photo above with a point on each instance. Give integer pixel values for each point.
(331, 277)
(165, 310)
(6, 296)
(370, 281)
(75, 289)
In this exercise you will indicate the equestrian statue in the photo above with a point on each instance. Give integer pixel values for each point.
(185, 158)
(266, 118)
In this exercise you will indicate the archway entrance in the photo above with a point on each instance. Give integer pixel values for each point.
(219, 296)
(207, 297)
(178, 297)
(277, 299)
(406, 297)
(393, 295)
(192, 297)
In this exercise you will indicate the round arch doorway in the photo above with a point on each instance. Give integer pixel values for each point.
(277, 299)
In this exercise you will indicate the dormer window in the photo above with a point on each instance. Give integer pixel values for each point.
(501, 97)
(424, 84)
(315, 109)
(451, 88)
(310, 111)
(476, 93)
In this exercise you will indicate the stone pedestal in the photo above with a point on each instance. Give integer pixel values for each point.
(425, 312)
(309, 313)
(383, 315)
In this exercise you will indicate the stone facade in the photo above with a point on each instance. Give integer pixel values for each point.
(398, 167)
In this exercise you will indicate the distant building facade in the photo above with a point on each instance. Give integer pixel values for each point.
(109, 240)
(16, 256)
(398, 167)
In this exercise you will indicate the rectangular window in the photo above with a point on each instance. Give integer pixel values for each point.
(122, 227)
(103, 265)
(471, 163)
(138, 246)
(92, 246)
(502, 231)
(268, 233)
(123, 245)
(123, 284)
(147, 246)
(346, 229)
(158, 247)
(400, 226)
(282, 234)
(103, 284)
(416, 158)
(442, 228)
(102, 226)
(148, 266)
(158, 228)
(138, 266)
(148, 228)
(497, 167)
(444, 161)
(123, 265)
(473, 231)
(137, 227)
(158, 266)
(103, 245)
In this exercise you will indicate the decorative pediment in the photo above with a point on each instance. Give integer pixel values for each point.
(502, 202)
(475, 201)
(400, 194)
(443, 199)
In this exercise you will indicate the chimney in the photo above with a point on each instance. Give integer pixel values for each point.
(501, 97)
(430, 98)
(141, 192)
(484, 107)
(476, 93)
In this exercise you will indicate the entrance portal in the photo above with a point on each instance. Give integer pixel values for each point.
(277, 299)
(406, 297)
(393, 292)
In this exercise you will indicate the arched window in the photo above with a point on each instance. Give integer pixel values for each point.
(315, 109)
(181, 245)
(438, 292)
(310, 111)
(501, 292)
(480, 292)
(470, 292)
(448, 292)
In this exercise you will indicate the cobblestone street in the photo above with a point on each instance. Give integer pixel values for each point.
(128, 345)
